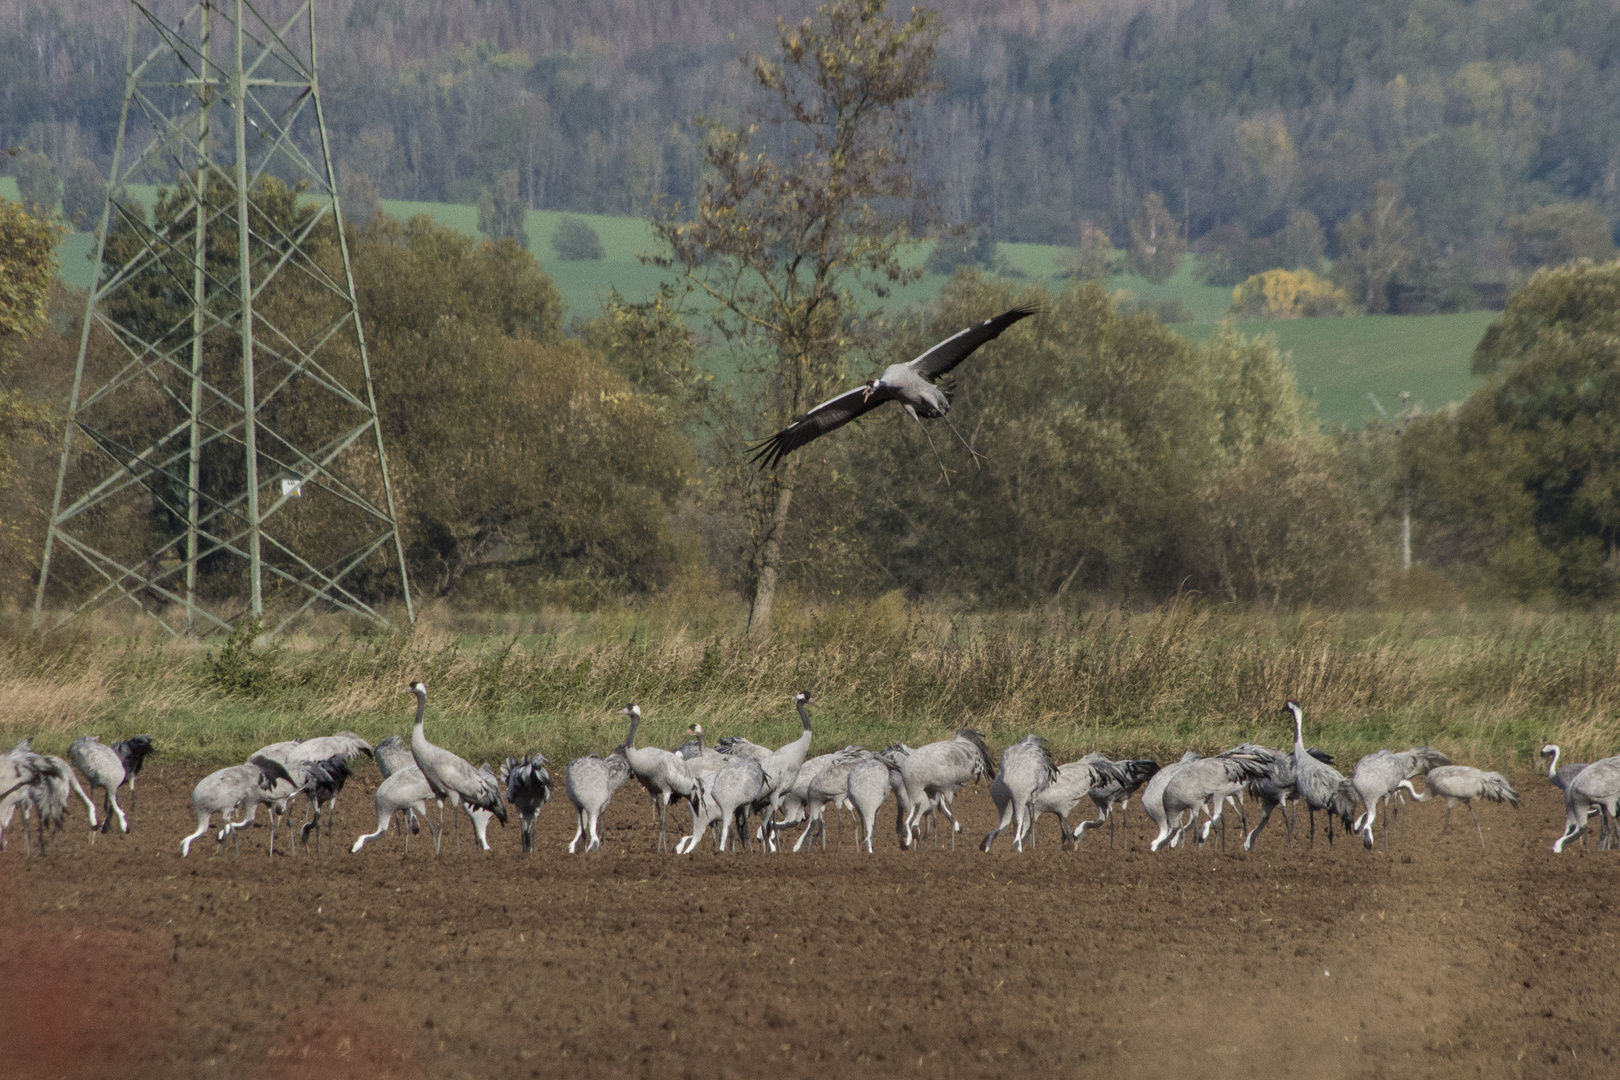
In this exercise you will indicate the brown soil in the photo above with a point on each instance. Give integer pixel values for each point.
(119, 958)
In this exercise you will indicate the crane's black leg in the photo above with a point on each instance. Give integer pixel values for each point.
(958, 434)
(946, 473)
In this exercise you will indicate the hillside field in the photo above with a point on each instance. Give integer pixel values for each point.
(1337, 361)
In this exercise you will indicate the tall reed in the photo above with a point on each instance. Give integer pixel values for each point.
(1486, 687)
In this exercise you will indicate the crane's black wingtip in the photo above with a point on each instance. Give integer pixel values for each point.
(767, 453)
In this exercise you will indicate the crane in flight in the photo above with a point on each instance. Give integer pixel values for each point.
(912, 384)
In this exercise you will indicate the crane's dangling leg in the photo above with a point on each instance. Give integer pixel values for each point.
(946, 473)
(958, 434)
(1447, 823)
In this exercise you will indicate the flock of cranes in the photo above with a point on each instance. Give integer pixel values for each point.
(726, 785)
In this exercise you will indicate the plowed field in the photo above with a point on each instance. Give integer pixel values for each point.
(119, 958)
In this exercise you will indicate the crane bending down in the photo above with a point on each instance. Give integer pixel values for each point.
(405, 788)
(1460, 783)
(870, 780)
(1026, 770)
(1379, 775)
(1596, 787)
(1113, 792)
(932, 775)
(591, 782)
(1277, 789)
(103, 767)
(133, 752)
(726, 796)
(1194, 785)
(528, 788)
(222, 791)
(911, 384)
(445, 772)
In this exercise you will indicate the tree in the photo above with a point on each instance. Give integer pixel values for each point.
(1557, 234)
(794, 209)
(1288, 294)
(36, 181)
(1156, 242)
(500, 210)
(1093, 258)
(575, 241)
(27, 265)
(1374, 245)
(84, 193)
(1522, 481)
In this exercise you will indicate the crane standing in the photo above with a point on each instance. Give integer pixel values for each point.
(1319, 784)
(445, 772)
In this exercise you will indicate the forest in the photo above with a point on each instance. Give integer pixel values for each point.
(1423, 157)
(1051, 118)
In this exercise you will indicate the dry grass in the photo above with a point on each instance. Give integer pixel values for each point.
(1487, 688)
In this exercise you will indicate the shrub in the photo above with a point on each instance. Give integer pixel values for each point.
(1288, 294)
(575, 241)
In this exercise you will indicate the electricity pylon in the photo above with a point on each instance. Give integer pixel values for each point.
(212, 427)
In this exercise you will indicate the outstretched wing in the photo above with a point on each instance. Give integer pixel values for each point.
(953, 350)
(828, 416)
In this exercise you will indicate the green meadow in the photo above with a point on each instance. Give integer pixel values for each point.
(1337, 361)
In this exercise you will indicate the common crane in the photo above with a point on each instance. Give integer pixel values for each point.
(301, 777)
(1561, 776)
(824, 785)
(103, 768)
(591, 782)
(726, 796)
(1200, 783)
(911, 384)
(21, 771)
(1277, 789)
(1461, 783)
(445, 772)
(1026, 770)
(403, 788)
(868, 785)
(933, 774)
(324, 787)
(222, 791)
(1153, 794)
(133, 752)
(1596, 787)
(1320, 785)
(528, 788)
(781, 769)
(662, 772)
(1379, 775)
(19, 768)
(392, 755)
(1114, 792)
(345, 744)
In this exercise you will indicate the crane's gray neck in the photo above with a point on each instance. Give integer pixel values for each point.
(421, 708)
(1552, 766)
(630, 737)
(804, 715)
(1299, 733)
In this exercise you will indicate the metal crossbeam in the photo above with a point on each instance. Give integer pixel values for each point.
(207, 443)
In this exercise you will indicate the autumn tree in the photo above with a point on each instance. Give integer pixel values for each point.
(500, 210)
(1374, 246)
(27, 265)
(797, 208)
(1156, 242)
